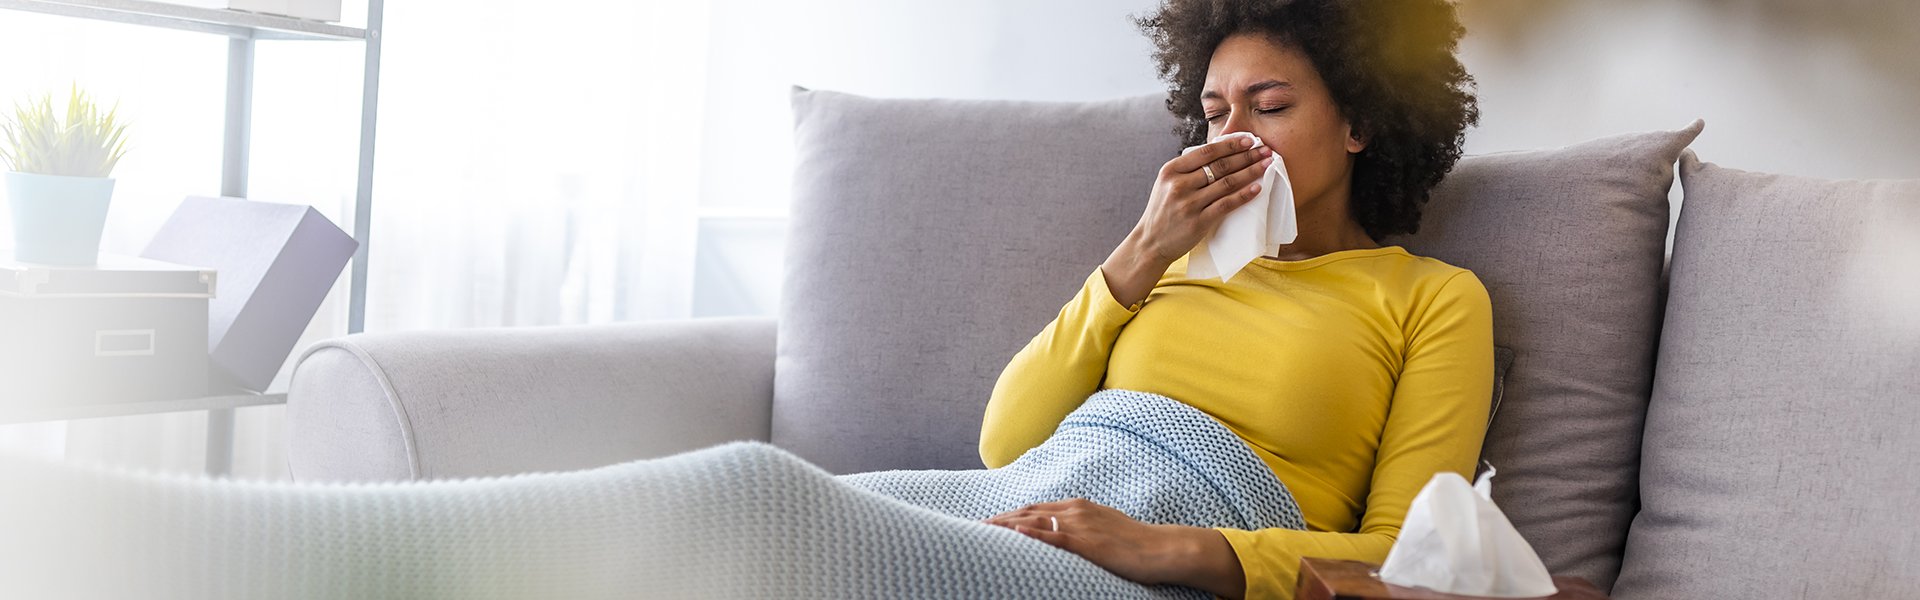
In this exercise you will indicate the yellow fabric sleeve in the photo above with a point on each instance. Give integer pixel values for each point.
(1053, 374)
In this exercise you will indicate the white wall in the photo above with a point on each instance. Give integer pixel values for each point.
(1058, 50)
(1053, 50)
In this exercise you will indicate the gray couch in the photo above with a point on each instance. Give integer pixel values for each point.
(1736, 423)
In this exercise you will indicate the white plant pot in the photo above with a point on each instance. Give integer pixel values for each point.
(57, 219)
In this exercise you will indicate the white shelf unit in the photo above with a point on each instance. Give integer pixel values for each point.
(242, 30)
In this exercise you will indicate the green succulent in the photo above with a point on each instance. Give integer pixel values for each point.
(88, 144)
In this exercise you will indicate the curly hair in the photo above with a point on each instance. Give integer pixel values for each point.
(1389, 65)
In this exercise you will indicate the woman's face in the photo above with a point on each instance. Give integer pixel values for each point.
(1273, 91)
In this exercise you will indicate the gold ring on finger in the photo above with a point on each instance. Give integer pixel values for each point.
(1208, 169)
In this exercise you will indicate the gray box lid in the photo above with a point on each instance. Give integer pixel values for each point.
(278, 262)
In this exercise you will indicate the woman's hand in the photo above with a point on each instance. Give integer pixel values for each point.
(1105, 536)
(1185, 206)
(1141, 552)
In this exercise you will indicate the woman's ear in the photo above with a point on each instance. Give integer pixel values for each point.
(1356, 141)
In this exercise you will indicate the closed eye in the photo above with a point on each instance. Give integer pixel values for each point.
(1264, 111)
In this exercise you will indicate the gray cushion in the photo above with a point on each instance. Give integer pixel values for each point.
(1569, 243)
(930, 239)
(1780, 457)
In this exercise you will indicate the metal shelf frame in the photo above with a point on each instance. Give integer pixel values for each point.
(231, 23)
(242, 29)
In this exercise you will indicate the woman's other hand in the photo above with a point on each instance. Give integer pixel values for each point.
(1141, 552)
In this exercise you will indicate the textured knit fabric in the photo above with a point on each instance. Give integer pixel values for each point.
(1303, 360)
(1149, 456)
(742, 520)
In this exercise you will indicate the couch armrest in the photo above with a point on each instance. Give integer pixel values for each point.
(463, 403)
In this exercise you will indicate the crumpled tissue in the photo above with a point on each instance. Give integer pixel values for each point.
(1256, 229)
(1454, 540)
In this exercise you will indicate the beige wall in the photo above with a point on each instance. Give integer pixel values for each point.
(1820, 88)
(1817, 88)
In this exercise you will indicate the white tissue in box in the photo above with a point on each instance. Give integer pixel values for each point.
(1456, 541)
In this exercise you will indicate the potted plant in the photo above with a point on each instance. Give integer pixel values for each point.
(58, 186)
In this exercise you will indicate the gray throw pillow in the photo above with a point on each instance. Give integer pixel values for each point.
(1780, 457)
(929, 241)
(1569, 243)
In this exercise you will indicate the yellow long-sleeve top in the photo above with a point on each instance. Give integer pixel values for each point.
(1356, 375)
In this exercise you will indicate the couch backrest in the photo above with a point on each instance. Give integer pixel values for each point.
(931, 239)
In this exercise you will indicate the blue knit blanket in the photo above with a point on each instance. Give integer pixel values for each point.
(740, 520)
(1154, 458)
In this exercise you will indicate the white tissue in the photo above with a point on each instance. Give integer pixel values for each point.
(1454, 540)
(1256, 229)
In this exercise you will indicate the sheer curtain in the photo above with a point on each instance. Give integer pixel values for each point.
(537, 167)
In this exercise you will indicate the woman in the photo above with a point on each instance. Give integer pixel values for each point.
(1355, 371)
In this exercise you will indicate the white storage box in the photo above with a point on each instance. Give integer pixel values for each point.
(314, 10)
(124, 330)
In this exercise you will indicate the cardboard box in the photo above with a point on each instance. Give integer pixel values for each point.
(276, 264)
(123, 330)
(1340, 579)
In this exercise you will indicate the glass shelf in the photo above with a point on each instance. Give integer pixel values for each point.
(229, 400)
(227, 22)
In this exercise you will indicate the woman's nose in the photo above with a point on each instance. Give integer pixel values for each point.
(1236, 122)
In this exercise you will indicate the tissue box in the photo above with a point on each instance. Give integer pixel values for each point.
(276, 263)
(122, 330)
(315, 10)
(1334, 579)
